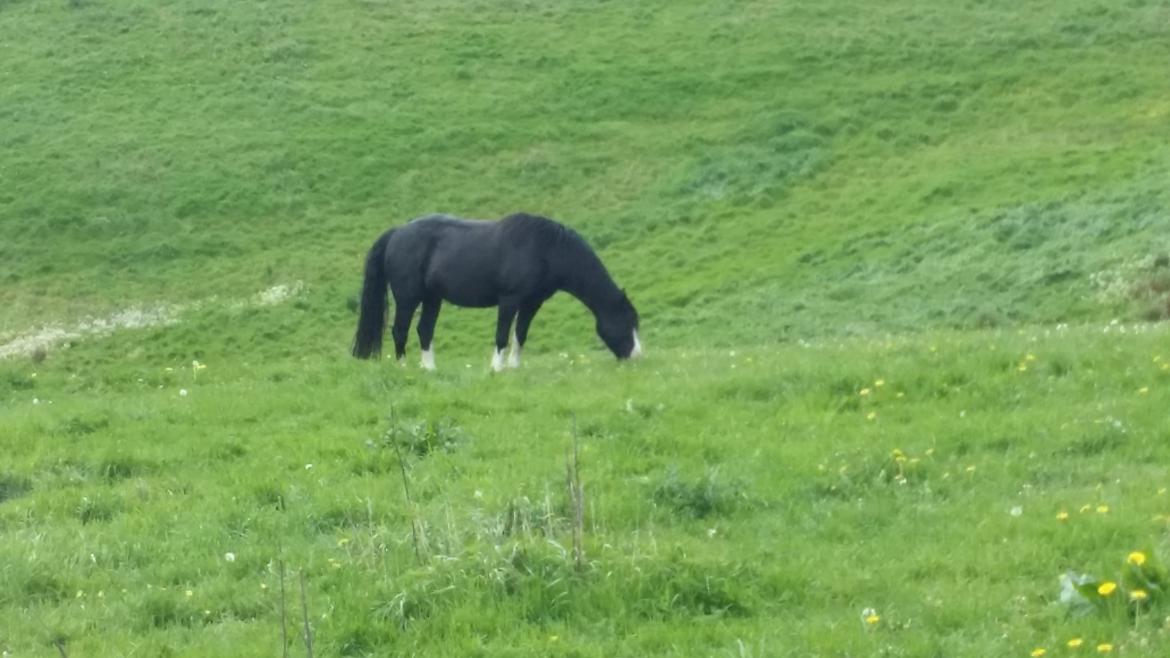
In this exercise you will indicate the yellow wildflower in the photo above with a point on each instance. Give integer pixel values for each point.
(871, 415)
(1136, 558)
(863, 392)
(1102, 509)
(1104, 647)
(1139, 595)
(873, 619)
(1107, 588)
(879, 383)
(1038, 651)
(1023, 367)
(1075, 643)
(1062, 516)
(1143, 390)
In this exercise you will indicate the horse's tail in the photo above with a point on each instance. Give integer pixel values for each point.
(372, 316)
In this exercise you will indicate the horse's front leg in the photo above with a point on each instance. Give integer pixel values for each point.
(523, 321)
(507, 312)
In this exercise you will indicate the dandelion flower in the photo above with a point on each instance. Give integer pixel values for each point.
(1104, 647)
(873, 619)
(1143, 390)
(863, 392)
(1062, 516)
(1136, 558)
(1102, 509)
(1075, 643)
(1038, 651)
(871, 415)
(1139, 595)
(190, 593)
(1023, 367)
(879, 383)
(1107, 588)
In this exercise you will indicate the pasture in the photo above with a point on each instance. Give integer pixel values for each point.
(902, 275)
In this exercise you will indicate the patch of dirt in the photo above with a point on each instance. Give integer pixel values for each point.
(45, 338)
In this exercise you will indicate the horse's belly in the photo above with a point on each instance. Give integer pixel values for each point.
(470, 299)
(469, 291)
(464, 273)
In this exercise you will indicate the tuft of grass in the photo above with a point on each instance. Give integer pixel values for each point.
(699, 498)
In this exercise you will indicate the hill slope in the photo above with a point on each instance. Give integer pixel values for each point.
(820, 168)
(851, 231)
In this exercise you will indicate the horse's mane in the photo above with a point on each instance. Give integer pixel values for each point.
(546, 233)
(587, 277)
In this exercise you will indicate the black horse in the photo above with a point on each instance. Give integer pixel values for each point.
(515, 263)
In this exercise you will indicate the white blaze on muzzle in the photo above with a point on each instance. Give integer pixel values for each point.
(637, 351)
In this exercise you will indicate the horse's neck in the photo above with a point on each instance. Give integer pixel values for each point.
(587, 280)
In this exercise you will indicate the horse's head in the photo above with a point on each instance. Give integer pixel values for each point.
(618, 328)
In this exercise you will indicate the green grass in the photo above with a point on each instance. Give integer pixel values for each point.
(958, 200)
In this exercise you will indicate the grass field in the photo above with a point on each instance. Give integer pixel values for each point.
(903, 277)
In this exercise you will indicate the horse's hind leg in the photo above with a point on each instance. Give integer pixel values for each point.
(401, 331)
(426, 331)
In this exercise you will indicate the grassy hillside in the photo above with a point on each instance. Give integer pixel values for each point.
(826, 168)
(901, 266)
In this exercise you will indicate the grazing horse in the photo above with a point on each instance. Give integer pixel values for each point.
(515, 264)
